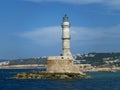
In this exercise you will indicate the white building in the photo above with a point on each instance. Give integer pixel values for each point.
(4, 63)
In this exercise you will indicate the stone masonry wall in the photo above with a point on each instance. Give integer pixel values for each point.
(62, 66)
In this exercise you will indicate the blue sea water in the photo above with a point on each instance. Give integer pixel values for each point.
(99, 81)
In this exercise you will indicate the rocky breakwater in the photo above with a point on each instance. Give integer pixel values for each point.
(45, 75)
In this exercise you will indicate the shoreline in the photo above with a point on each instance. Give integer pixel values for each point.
(36, 66)
(29, 66)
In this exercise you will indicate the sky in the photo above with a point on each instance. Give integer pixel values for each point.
(32, 28)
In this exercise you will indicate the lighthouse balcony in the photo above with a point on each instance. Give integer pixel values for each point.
(64, 38)
(60, 58)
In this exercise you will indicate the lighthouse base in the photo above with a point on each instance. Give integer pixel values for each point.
(57, 68)
(61, 65)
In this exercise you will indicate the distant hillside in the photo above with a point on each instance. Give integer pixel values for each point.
(97, 59)
(28, 61)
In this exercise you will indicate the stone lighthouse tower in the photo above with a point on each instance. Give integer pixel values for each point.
(66, 36)
(63, 63)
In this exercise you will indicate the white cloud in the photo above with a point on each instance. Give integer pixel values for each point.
(51, 36)
(69, 1)
(110, 3)
(44, 36)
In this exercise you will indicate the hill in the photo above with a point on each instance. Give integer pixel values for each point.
(96, 59)
(28, 61)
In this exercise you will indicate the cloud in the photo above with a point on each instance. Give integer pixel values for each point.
(44, 36)
(110, 3)
(82, 37)
(69, 1)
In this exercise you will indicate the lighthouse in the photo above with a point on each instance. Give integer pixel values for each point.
(63, 63)
(60, 67)
(66, 36)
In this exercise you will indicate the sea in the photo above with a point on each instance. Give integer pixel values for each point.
(99, 81)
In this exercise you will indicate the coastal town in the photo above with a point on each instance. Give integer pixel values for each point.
(91, 62)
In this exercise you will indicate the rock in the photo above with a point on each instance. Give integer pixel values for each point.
(45, 75)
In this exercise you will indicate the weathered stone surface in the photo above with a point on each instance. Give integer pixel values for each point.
(62, 66)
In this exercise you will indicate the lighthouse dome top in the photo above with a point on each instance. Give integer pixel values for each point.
(65, 18)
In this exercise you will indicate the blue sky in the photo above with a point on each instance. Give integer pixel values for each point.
(32, 28)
